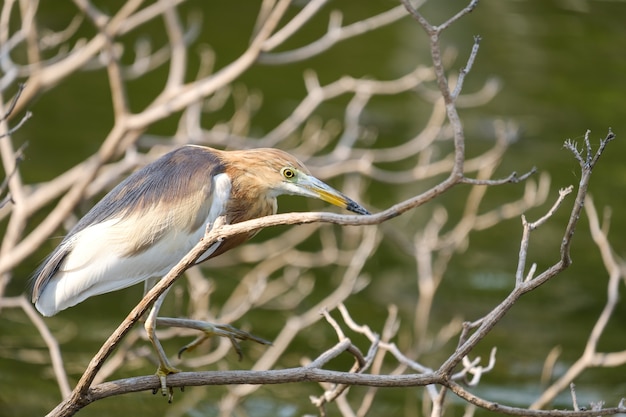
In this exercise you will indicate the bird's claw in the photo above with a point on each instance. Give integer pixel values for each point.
(223, 330)
(162, 372)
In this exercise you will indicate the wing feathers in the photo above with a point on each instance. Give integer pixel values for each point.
(140, 229)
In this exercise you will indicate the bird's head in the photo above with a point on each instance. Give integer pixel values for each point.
(281, 173)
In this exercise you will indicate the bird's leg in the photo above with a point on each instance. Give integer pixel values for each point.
(208, 330)
(165, 368)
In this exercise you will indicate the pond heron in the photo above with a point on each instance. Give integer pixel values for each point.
(147, 224)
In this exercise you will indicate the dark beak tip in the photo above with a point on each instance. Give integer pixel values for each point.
(356, 208)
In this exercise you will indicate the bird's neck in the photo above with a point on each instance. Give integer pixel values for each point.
(249, 199)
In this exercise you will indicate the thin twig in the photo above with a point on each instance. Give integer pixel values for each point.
(16, 97)
(466, 69)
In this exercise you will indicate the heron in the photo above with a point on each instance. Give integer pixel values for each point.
(146, 224)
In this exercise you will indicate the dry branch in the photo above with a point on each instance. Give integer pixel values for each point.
(283, 276)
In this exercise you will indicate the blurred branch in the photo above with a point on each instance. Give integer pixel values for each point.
(335, 33)
(590, 356)
(53, 346)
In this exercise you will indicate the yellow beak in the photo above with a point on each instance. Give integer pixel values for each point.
(327, 193)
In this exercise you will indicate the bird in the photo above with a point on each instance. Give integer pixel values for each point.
(147, 223)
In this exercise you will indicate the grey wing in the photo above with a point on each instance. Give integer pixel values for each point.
(122, 240)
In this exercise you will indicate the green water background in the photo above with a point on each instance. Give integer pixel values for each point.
(562, 66)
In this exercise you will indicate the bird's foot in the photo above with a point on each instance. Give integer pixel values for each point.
(223, 330)
(162, 372)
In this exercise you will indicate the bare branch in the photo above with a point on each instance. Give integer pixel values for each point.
(335, 33)
(467, 68)
(280, 274)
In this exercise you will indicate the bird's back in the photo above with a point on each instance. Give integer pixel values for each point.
(140, 229)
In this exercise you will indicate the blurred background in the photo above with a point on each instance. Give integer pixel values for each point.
(561, 69)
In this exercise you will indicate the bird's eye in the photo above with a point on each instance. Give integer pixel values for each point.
(288, 173)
